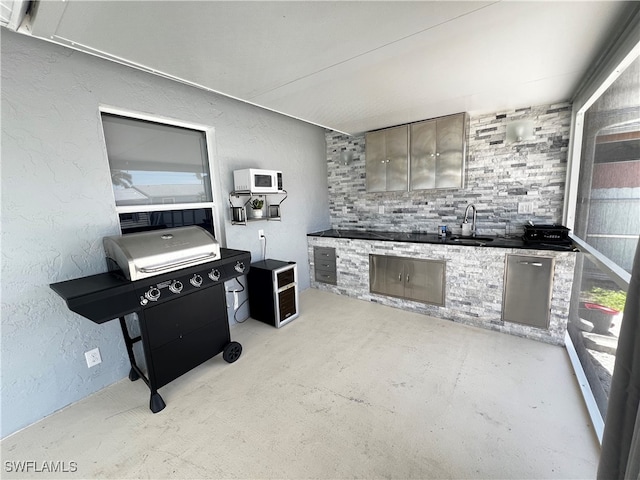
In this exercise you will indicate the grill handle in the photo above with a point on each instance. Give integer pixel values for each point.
(183, 263)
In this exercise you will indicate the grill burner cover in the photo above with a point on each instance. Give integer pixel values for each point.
(145, 254)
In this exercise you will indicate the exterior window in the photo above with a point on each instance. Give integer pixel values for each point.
(609, 189)
(154, 164)
(607, 222)
(160, 174)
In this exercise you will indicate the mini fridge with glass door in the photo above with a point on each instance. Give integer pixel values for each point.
(273, 291)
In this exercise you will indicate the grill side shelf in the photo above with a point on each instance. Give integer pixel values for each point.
(100, 297)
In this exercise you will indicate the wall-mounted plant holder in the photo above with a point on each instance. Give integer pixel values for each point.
(242, 211)
(274, 212)
(238, 214)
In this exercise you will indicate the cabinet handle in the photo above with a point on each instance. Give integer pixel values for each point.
(407, 278)
(438, 154)
(533, 264)
(400, 277)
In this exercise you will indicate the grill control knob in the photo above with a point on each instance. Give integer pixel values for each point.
(152, 294)
(214, 274)
(196, 280)
(176, 286)
(239, 267)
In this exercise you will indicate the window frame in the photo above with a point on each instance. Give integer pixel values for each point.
(621, 52)
(214, 177)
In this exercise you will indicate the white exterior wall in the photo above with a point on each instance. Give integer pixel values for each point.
(57, 204)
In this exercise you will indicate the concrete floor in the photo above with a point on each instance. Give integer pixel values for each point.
(349, 389)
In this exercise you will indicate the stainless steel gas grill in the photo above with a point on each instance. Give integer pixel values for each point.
(174, 280)
(146, 254)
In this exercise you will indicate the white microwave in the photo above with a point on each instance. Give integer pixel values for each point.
(257, 181)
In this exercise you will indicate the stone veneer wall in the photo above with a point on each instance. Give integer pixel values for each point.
(498, 176)
(474, 282)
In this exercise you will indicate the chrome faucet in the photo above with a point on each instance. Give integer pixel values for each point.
(473, 221)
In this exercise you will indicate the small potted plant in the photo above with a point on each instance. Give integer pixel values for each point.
(256, 207)
(601, 307)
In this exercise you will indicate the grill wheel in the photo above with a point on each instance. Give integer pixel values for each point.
(232, 352)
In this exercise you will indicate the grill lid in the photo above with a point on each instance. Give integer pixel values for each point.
(145, 254)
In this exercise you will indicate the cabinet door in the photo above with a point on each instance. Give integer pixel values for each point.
(376, 161)
(386, 275)
(450, 154)
(425, 281)
(527, 290)
(397, 151)
(423, 155)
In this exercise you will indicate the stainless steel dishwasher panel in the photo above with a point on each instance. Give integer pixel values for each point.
(528, 284)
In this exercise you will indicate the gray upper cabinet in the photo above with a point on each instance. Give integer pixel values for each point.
(419, 156)
(387, 154)
(437, 153)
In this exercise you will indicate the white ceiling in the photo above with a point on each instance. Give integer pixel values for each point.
(350, 66)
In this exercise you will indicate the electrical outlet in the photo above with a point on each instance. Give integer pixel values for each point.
(525, 207)
(93, 357)
(381, 209)
(260, 234)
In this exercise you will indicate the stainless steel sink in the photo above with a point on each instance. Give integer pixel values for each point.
(460, 238)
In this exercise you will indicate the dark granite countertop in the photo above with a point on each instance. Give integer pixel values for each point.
(418, 237)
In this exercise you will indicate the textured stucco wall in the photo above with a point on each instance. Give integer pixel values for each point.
(57, 204)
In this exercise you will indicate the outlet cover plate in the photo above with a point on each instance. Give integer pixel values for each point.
(93, 357)
(525, 207)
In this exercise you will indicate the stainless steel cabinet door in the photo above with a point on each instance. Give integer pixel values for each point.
(386, 275)
(397, 151)
(425, 281)
(413, 279)
(376, 158)
(395, 277)
(386, 153)
(450, 154)
(423, 155)
(438, 153)
(527, 290)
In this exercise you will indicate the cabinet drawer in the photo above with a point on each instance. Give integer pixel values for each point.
(326, 277)
(325, 265)
(324, 254)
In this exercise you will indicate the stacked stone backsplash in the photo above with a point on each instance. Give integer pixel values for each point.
(498, 177)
